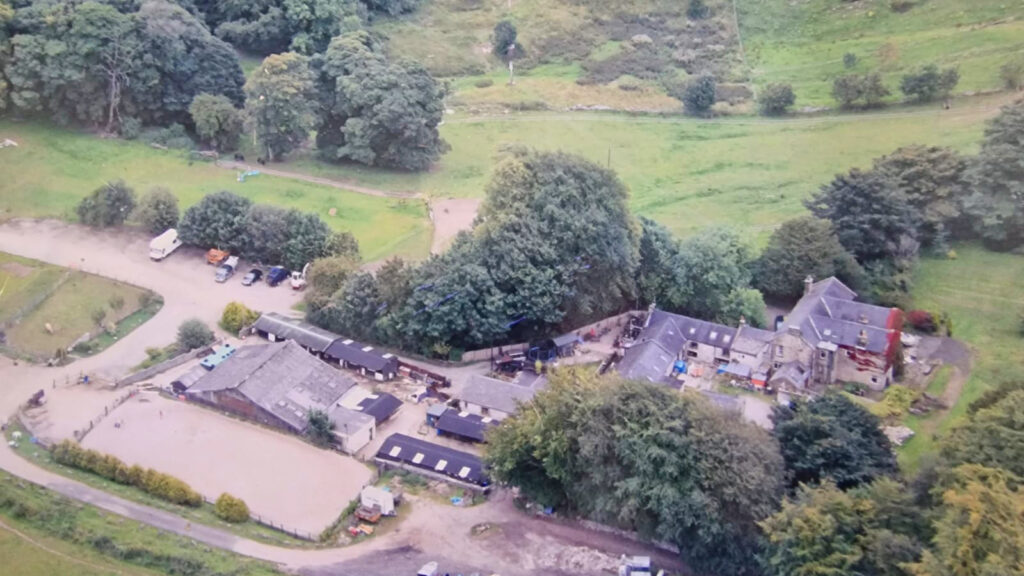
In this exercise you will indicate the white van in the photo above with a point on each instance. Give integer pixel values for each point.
(162, 246)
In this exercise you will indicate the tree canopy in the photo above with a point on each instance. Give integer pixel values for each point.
(997, 181)
(216, 221)
(993, 436)
(280, 103)
(158, 210)
(801, 247)
(929, 83)
(108, 205)
(217, 122)
(832, 438)
(274, 26)
(644, 457)
(374, 111)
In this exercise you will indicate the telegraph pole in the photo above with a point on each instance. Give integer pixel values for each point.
(510, 53)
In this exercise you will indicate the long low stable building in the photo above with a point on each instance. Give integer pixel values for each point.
(279, 385)
(464, 425)
(495, 398)
(363, 358)
(433, 460)
(276, 328)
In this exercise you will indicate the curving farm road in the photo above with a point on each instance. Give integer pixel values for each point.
(514, 545)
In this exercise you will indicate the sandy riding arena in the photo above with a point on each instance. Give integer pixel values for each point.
(281, 478)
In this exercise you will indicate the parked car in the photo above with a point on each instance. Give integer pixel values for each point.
(252, 277)
(227, 269)
(215, 256)
(162, 246)
(299, 278)
(277, 275)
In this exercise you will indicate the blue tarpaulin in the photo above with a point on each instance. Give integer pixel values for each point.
(680, 367)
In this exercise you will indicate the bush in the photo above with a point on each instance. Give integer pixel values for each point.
(698, 96)
(149, 299)
(775, 99)
(158, 210)
(98, 315)
(193, 334)
(900, 6)
(108, 205)
(237, 316)
(484, 83)
(922, 321)
(231, 509)
(929, 83)
(849, 60)
(174, 137)
(697, 10)
(131, 128)
(1012, 74)
(116, 302)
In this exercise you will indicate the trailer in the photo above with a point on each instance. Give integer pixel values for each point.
(162, 246)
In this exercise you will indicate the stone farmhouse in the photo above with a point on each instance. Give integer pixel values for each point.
(827, 338)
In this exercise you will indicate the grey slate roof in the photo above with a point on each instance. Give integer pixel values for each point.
(495, 394)
(829, 313)
(306, 334)
(661, 342)
(347, 421)
(363, 355)
(750, 340)
(380, 405)
(790, 373)
(472, 426)
(281, 378)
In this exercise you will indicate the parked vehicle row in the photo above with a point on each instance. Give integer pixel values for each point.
(162, 246)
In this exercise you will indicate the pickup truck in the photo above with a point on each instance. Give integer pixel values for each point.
(227, 269)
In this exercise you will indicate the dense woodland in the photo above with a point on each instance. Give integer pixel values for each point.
(125, 66)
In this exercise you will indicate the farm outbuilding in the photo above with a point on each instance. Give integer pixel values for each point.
(464, 425)
(365, 359)
(432, 460)
(491, 397)
(275, 327)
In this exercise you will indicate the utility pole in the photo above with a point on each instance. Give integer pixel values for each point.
(510, 53)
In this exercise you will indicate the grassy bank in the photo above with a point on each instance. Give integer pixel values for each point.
(981, 292)
(110, 543)
(53, 168)
(803, 43)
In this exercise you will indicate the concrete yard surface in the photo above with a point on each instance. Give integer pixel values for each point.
(281, 478)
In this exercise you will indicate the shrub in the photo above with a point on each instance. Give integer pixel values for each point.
(131, 128)
(231, 509)
(922, 321)
(237, 316)
(900, 6)
(158, 210)
(697, 10)
(775, 99)
(698, 96)
(147, 299)
(1012, 74)
(849, 60)
(116, 302)
(108, 205)
(98, 315)
(929, 83)
(193, 334)
(896, 401)
(484, 83)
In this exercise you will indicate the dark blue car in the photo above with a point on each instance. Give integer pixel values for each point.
(277, 275)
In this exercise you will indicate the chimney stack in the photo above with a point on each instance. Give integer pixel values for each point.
(743, 320)
(807, 284)
(862, 339)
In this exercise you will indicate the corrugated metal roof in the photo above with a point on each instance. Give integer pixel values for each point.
(465, 424)
(363, 355)
(285, 328)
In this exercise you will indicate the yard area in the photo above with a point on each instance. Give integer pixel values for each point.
(981, 292)
(52, 168)
(47, 307)
(803, 43)
(281, 478)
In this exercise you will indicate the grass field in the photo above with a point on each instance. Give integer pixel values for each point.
(53, 168)
(74, 533)
(747, 173)
(30, 552)
(981, 291)
(803, 43)
(35, 294)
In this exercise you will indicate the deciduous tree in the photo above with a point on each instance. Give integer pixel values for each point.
(996, 202)
(992, 437)
(714, 265)
(279, 100)
(218, 123)
(699, 95)
(217, 221)
(775, 99)
(832, 438)
(108, 205)
(193, 334)
(929, 83)
(802, 247)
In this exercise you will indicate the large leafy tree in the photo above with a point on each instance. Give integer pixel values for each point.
(308, 236)
(824, 531)
(280, 103)
(929, 83)
(832, 438)
(218, 123)
(269, 26)
(992, 437)
(801, 247)
(715, 265)
(265, 234)
(869, 214)
(981, 530)
(933, 181)
(326, 276)
(217, 221)
(997, 181)
(354, 309)
(644, 457)
(660, 275)
(377, 112)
